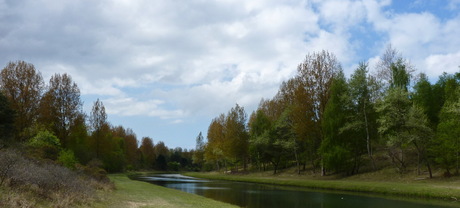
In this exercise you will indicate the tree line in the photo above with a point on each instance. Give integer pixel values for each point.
(48, 120)
(323, 122)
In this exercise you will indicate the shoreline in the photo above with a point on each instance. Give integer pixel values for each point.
(132, 193)
(443, 191)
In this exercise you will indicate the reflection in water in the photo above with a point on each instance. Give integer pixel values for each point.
(258, 195)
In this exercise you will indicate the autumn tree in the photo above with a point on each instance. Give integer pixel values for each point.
(236, 136)
(23, 85)
(214, 149)
(316, 73)
(99, 127)
(60, 106)
(148, 152)
(293, 95)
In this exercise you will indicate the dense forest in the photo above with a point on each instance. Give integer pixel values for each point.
(322, 122)
(46, 121)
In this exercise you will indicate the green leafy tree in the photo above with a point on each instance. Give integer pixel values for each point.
(364, 90)
(341, 149)
(424, 96)
(447, 148)
(259, 125)
(394, 111)
(421, 135)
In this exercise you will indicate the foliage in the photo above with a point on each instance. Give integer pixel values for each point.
(67, 159)
(45, 145)
(147, 153)
(60, 106)
(23, 85)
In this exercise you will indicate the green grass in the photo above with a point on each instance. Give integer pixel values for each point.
(428, 189)
(131, 193)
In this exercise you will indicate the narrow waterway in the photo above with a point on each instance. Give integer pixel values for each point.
(259, 195)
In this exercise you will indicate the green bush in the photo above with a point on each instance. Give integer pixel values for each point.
(67, 159)
(45, 145)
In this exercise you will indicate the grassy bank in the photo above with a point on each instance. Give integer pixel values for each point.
(131, 193)
(445, 189)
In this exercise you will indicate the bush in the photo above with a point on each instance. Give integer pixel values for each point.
(67, 159)
(45, 145)
(47, 181)
(173, 166)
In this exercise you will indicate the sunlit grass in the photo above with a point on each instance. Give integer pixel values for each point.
(131, 193)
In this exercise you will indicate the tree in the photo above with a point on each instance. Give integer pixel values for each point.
(7, 122)
(61, 105)
(214, 148)
(79, 141)
(236, 141)
(23, 86)
(341, 149)
(316, 74)
(390, 60)
(420, 134)
(130, 145)
(424, 97)
(363, 93)
(447, 148)
(148, 152)
(259, 126)
(198, 155)
(394, 110)
(99, 127)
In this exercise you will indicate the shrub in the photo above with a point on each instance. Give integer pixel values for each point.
(67, 159)
(47, 181)
(45, 145)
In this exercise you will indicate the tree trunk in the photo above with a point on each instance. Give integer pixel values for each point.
(297, 161)
(368, 140)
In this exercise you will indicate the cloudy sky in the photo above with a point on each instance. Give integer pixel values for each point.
(165, 68)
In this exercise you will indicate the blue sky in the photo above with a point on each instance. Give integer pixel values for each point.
(167, 68)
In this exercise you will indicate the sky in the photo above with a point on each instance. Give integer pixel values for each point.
(166, 68)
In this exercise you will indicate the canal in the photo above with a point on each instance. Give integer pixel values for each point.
(260, 195)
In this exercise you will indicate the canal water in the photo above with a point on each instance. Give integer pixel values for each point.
(259, 195)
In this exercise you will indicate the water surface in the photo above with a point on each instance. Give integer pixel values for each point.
(260, 195)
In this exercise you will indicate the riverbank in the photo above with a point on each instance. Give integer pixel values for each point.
(442, 189)
(131, 193)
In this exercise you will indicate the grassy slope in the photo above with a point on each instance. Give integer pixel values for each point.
(448, 189)
(132, 193)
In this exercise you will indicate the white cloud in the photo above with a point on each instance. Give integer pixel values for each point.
(176, 60)
(438, 63)
(127, 106)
